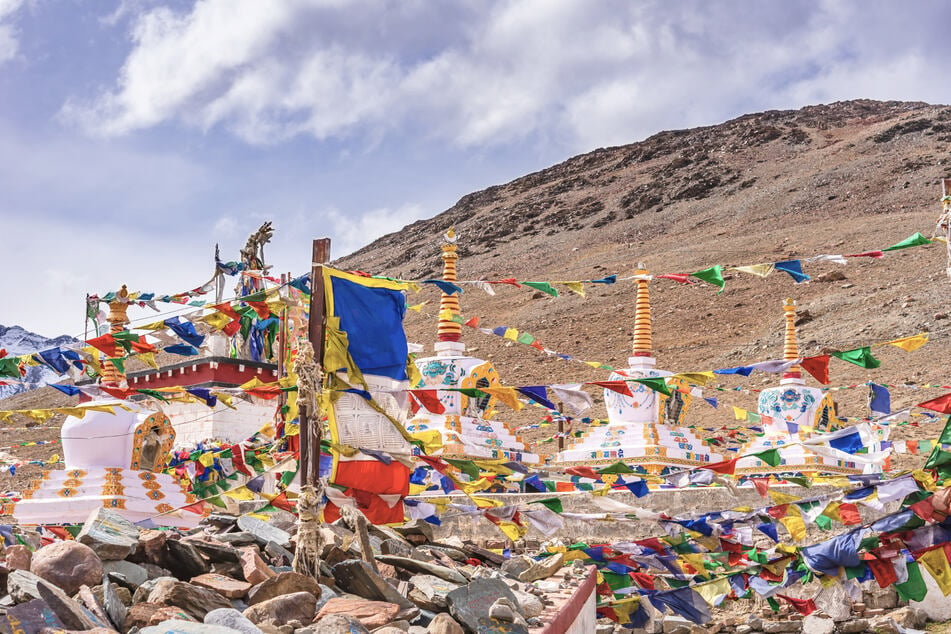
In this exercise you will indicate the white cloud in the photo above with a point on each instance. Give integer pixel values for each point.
(9, 45)
(570, 72)
(352, 231)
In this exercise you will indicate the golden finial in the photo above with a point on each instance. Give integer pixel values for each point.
(642, 314)
(448, 330)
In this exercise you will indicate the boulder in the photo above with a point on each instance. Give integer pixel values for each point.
(68, 565)
(133, 574)
(254, 569)
(264, 532)
(423, 567)
(852, 626)
(184, 627)
(429, 592)
(184, 560)
(444, 624)
(30, 616)
(340, 624)
(169, 613)
(70, 612)
(470, 604)
(528, 604)
(371, 614)
(674, 624)
(225, 586)
(109, 534)
(909, 617)
(299, 606)
(152, 546)
(356, 577)
(283, 583)
(543, 569)
(196, 601)
(778, 627)
(818, 624)
(140, 614)
(232, 619)
(18, 557)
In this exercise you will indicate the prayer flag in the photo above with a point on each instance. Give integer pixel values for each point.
(712, 275)
(913, 240)
(861, 357)
(794, 269)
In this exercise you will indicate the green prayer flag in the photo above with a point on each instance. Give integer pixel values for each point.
(466, 466)
(655, 383)
(288, 476)
(773, 604)
(118, 362)
(10, 367)
(153, 393)
(472, 392)
(677, 583)
(824, 522)
(553, 504)
(800, 480)
(945, 437)
(549, 485)
(217, 502)
(616, 580)
(770, 457)
(526, 338)
(712, 275)
(861, 357)
(584, 486)
(855, 572)
(915, 240)
(617, 467)
(544, 287)
(914, 589)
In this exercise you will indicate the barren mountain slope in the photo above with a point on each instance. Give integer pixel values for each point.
(841, 178)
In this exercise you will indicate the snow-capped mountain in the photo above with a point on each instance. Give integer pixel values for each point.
(16, 341)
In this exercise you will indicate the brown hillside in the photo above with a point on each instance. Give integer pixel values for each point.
(831, 179)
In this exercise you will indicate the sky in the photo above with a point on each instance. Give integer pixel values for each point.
(135, 134)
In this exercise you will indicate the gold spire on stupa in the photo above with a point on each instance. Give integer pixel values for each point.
(118, 309)
(449, 330)
(790, 341)
(642, 314)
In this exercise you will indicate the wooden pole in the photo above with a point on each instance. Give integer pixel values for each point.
(310, 428)
(561, 426)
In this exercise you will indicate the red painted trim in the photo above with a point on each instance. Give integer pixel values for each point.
(573, 606)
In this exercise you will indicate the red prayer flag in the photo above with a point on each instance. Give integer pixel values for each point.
(849, 514)
(281, 502)
(762, 485)
(472, 323)
(105, 344)
(616, 386)
(682, 278)
(866, 254)
(805, 607)
(584, 472)
(261, 308)
(941, 404)
(778, 511)
(429, 399)
(726, 467)
(117, 392)
(818, 367)
(883, 571)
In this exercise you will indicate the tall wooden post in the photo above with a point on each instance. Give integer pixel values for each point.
(310, 427)
(561, 426)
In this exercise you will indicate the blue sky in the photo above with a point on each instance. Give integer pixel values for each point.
(134, 134)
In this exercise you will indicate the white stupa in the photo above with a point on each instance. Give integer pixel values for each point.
(644, 430)
(465, 425)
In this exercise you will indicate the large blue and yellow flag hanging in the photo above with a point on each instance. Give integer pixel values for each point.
(365, 360)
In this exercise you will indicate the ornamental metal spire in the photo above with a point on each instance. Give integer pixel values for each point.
(447, 329)
(118, 318)
(642, 314)
(790, 341)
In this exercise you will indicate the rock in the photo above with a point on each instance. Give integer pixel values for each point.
(909, 616)
(356, 577)
(70, 613)
(743, 629)
(776, 627)
(430, 592)
(196, 601)
(371, 614)
(113, 604)
(340, 624)
(93, 604)
(215, 551)
(143, 591)
(68, 565)
(237, 539)
(471, 603)
(528, 604)
(22, 586)
(884, 625)
(29, 616)
(184, 560)
(152, 545)
(875, 597)
(299, 606)
(175, 626)
(517, 565)
(233, 620)
(17, 557)
(831, 276)
(417, 528)
(504, 610)
(817, 624)
(263, 532)
(109, 534)
(444, 624)
(140, 614)
(423, 567)
(935, 605)
(396, 547)
(283, 583)
(156, 571)
(542, 569)
(169, 613)
(134, 574)
(254, 569)
(852, 626)
(225, 586)
(326, 594)
(674, 624)
(389, 629)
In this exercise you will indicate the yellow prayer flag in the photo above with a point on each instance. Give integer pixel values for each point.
(445, 315)
(759, 270)
(937, 564)
(54, 457)
(416, 489)
(253, 383)
(507, 395)
(483, 503)
(795, 525)
(909, 344)
(148, 358)
(207, 459)
(575, 287)
(240, 493)
(511, 333)
(696, 562)
(155, 325)
(783, 498)
(217, 320)
(417, 307)
(593, 364)
(832, 511)
(472, 487)
(512, 530)
(77, 412)
(431, 439)
(109, 409)
(739, 413)
(713, 592)
(697, 378)
(39, 415)
(224, 398)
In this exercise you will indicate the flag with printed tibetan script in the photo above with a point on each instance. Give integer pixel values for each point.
(366, 407)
